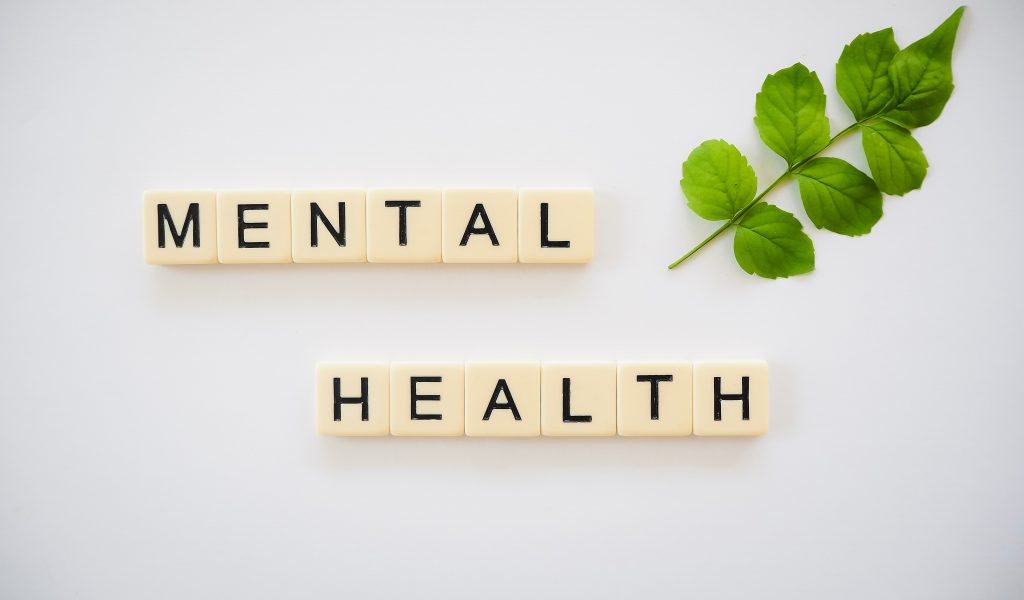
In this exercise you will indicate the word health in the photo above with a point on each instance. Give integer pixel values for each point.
(519, 399)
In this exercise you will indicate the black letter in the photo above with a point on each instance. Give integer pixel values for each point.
(364, 398)
(316, 213)
(403, 236)
(744, 396)
(493, 404)
(567, 416)
(414, 397)
(242, 226)
(654, 380)
(479, 212)
(164, 218)
(544, 241)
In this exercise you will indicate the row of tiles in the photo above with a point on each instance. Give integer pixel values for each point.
(379, 225)
(503, 399)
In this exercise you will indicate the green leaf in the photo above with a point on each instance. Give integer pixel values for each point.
(922, 76)
(862, 73)
(838, 197)
(717, 180)
(790, 114)
(770, 242)
(896, 160)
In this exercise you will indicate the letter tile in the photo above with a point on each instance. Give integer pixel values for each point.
(503, 399)
(480, 226)
(556, 226)
(427, 399)
(655, 398)
(328, 226)
(180, 228)
(730, 398)
(254, 227)
(577, 399)
(352, 399)
(403, 226)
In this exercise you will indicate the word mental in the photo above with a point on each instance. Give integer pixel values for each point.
(520, 399)
(379, 225)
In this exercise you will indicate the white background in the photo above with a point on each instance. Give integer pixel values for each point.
(156, 424)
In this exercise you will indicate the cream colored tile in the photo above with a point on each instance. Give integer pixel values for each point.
(655, 398)
(480, 226)
(328, 226)
(427, 399)
(352, 398)
(556, 226)
(180, 227)
(403, 226)
(254, 226)
(502, 399)
(578, 399)
(742, 391)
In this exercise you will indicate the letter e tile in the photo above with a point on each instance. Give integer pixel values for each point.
(427, 399)
(254, 226)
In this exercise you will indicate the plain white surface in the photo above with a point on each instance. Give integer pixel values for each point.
(156, 424)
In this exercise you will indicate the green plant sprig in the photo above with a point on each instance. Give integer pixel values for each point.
(889, 91)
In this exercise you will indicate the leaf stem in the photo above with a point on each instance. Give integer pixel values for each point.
(743, 211)
(694, 250)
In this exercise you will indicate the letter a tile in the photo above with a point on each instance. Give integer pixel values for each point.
(503, 399)
(480, 226)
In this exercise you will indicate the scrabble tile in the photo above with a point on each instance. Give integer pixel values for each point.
(479, 226)
(503, 399)
(254, 227)
(352, 398)
(328, 226)
(403, 226)
(180, 228)
(577, 399)
(427, 399)
(730, 398)
(655, 398)
(556, 226)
